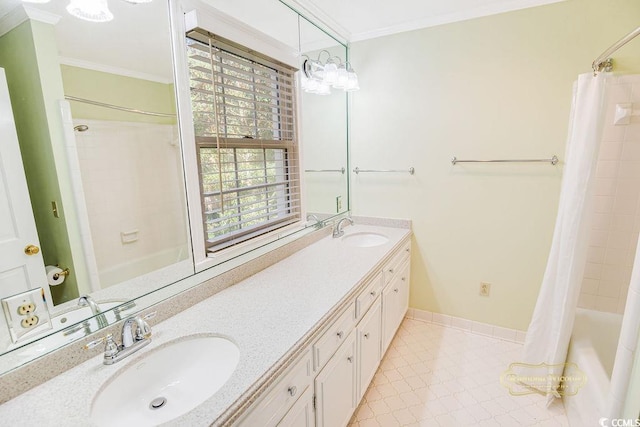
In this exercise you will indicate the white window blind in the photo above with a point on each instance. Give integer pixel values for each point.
(244, 118)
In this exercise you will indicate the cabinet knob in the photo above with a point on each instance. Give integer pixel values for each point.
(395, 290)
(408, 250)
(391, 270)
(350, 359)
(292, 390)
(366, 335)
(373, 293)
(31, 250)
(340, 334)
(404, 279)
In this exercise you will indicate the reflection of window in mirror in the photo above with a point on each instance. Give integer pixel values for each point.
(244, 115)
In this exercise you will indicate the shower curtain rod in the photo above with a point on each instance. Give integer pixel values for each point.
(117, 107)
(603, 62)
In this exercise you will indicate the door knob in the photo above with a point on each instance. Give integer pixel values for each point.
(31, 250)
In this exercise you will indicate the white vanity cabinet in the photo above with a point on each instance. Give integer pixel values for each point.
(369, 336)
(395, 295)
(335, 386)
(302, 413)
(326, 385)
(282, 396)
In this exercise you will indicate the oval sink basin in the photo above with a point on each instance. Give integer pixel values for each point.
(365, 239)
(166, 383)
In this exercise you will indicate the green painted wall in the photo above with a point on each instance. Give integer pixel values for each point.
(117, 90)
(34, 87)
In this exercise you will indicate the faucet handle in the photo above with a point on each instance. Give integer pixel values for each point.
(110, 347)
(143, 330)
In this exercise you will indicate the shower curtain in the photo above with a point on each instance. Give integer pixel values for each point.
(548, 335)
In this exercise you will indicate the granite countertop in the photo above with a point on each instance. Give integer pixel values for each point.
(265, 315)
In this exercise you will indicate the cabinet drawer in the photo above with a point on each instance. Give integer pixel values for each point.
(392, 266)
(281, 397)
(329, 342)
(368, 296)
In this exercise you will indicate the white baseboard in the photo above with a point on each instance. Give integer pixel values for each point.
(472, 326)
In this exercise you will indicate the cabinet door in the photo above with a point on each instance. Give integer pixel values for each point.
(389, 310)
(369, 347)
(301, 414)
(404, 290)
(395, 301)
(335, 387)
(269, 410)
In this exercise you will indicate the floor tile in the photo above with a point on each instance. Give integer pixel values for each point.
(434, 375)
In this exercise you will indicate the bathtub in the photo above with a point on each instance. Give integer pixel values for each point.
(593, 345)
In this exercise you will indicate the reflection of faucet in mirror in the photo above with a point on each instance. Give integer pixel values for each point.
(87, 301)
(315, 218)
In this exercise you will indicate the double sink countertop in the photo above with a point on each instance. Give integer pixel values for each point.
(266, 315)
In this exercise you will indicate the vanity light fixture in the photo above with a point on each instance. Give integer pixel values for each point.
(319, 77)
(90, 10)
(352, 80)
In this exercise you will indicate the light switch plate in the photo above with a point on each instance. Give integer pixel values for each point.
(26, 313)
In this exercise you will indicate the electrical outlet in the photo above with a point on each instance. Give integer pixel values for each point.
(485, 289)
(26, 313)
(29, 322)
(26, 308)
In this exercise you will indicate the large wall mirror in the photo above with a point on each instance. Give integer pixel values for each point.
(96, 115)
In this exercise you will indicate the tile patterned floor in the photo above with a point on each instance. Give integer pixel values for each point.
(439, 376)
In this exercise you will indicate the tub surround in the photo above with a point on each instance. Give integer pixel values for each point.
(592, 349)
(271, 316)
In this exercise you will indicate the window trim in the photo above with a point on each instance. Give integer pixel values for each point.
(187, 16)
(202, 258)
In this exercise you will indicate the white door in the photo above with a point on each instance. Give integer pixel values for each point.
(19, 271)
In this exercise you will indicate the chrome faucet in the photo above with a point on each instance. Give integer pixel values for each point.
(87, 301)
(337, 230)
(136, 333)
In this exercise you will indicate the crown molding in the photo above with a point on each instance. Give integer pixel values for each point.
(81, 63)
(479, 12)
(309, 9)
(21, 14)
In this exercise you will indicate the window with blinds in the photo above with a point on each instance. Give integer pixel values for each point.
(244, 118)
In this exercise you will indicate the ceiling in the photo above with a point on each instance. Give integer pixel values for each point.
(363, 19)
(137, 41)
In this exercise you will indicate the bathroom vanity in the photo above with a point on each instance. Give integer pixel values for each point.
(310, 331)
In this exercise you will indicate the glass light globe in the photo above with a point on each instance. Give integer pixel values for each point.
(90, 10)
(323, 89)
(343, 77)
(352, 83)
(330, 72)
(304, 82)
(311, 86)
(314, 70)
